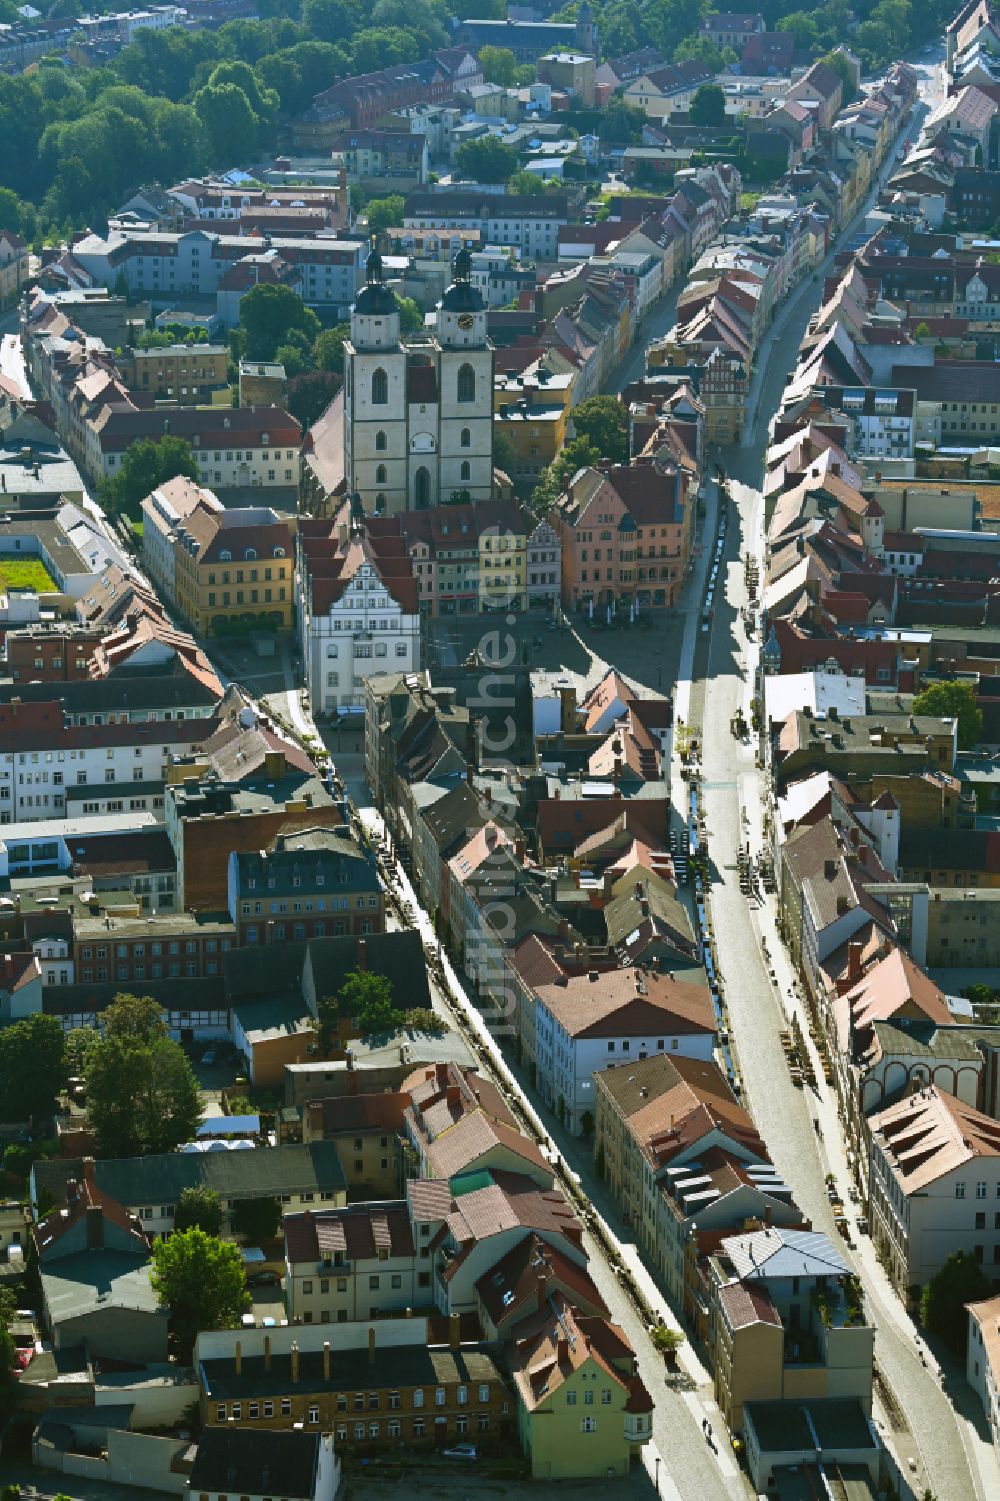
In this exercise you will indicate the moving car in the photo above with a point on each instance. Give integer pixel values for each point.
(460, 1451)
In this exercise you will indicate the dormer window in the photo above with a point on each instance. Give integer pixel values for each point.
(251, 554)
(226, 557)
(279, 552)
(265, 438)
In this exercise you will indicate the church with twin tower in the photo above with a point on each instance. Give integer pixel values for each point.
(418, 408)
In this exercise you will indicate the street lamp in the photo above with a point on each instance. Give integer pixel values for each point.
(657, 1463)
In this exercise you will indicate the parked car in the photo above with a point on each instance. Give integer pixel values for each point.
(210, 1056)
(460, 1451)
(264, 1279)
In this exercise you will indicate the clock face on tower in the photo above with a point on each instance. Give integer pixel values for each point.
(465, 320)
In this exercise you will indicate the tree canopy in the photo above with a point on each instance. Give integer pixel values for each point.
(384, 213)
(601, 422)
(146, 465)
(257, 1219)
(708, 107)
(364, 998)
(201, 1279)
(199, 1207)
(953, 701)
(269, 316)
(579, 453)
(176, 102)
(486, 159)
(142, 1095)
(942, 1302)
(32, 1066)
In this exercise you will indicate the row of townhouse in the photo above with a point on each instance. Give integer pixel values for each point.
(365, 585)
(98, 417)
(469, 837)
(866, 568)
(735, 284)
(365, 99)
(164, 265)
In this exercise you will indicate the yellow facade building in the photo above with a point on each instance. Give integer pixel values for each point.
(234, 568)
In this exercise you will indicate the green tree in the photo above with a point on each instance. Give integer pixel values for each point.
(9, 1388)
(621, 123)
(32, 1066)
(578, 454)
(385, 213)
(142, 1095)
(486, 159)
(504, 452)
(231, 126)
(308, 396)
(296, 353)
(837, 63)
(364, 998)
(708, 107)
(80, 1042)
(146, 465)
(328, 350)
(202, 1281)
(601, 421)
(331, 20)
(499, 65)
(198, 1206)
(410, 316)
(942, 1302)
(268, 314)
(527, 184)
(422, 1019)
(376, 47)
(922, 331)
(803, 27)
(257, 1220)
(701, 49)
(953, 701)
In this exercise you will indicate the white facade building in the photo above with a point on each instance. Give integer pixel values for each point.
(358, 613)
(594, 1022)
(418, 410)
(163, 513)
(983, 1361)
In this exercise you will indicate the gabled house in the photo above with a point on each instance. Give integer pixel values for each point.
(582, 1409)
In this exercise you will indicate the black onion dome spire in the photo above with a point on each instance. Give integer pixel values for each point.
(375, 299)
(462, 296)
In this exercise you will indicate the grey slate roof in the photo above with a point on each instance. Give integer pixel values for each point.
(397, 956)
(350, 1370)
(252, 1462)
(99, 695)
(313, 1167)
(81, 1284)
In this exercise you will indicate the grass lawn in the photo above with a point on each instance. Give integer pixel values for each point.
(137, 527)
(27, 573)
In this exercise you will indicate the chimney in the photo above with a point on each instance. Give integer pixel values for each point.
(829, 869)
(95, 1227)
(455, 1330)
(371, 1342)
(326, 1360)
(854, 951)
(767, 1214)
(239, 1357)
(362, 955)
(88, 1169)
(541, 1288)
(294, 1353)
(267, 1352)
(562, 1351)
